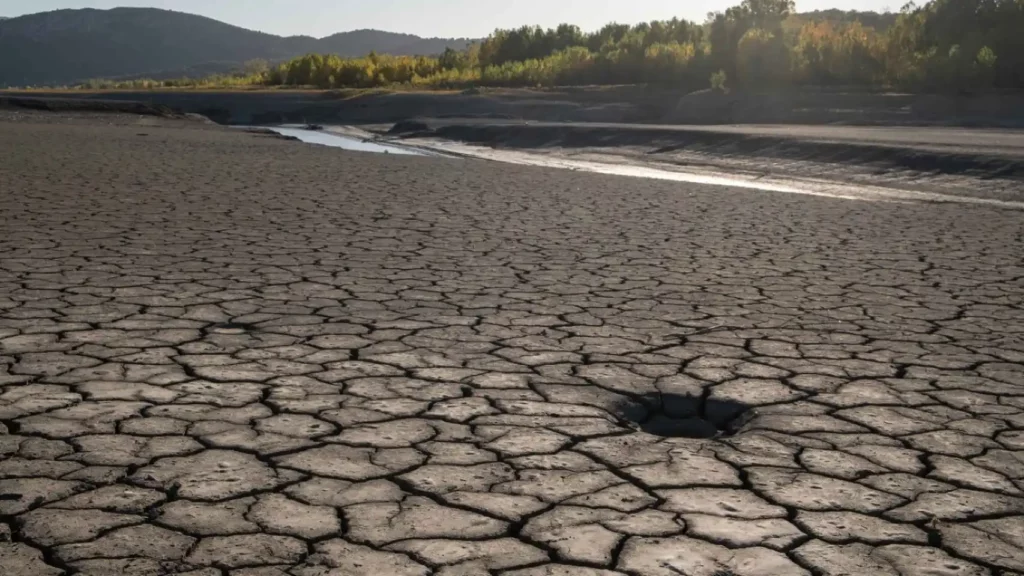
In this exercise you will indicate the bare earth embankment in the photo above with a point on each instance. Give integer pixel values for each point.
(223, 353)
(617, 104)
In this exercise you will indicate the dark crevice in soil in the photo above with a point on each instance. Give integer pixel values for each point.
(680, 416)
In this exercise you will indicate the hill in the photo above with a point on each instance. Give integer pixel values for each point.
(65, 46)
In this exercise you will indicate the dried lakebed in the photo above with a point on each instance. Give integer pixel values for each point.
(224, 354)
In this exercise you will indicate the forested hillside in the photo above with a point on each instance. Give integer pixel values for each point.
(943, 45)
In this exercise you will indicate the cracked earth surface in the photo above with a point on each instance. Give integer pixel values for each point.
(226, 354)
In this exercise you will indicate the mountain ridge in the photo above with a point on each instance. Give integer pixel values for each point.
(72, 45)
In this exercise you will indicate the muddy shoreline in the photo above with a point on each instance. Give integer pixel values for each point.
(961, 154)
(971, 146)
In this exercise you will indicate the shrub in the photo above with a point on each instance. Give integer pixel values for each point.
(718, 80)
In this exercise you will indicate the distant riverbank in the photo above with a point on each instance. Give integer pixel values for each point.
(620, 104)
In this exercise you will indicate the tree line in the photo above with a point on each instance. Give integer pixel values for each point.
(943, 45)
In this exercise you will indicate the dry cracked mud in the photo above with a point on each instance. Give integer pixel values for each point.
(223, 354)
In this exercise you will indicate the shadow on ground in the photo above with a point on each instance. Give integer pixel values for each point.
(684, 416)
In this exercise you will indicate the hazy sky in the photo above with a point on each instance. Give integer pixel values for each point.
(448, 18)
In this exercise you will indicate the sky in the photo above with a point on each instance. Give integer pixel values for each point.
(444, 18)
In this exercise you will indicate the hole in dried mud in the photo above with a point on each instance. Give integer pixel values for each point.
(682, 416)
(231, 328)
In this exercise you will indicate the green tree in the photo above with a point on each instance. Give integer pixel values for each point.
(761, 59)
